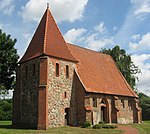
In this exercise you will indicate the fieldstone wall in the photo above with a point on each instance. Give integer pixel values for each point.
(29, 93)
(125, 113)
(16, 113)
(60, 95)
(67, 93)
(122, 110)
(79, 97)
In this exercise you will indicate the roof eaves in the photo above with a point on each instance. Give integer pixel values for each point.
(106, 93)
(128, 86)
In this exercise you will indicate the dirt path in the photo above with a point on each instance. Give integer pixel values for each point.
(128, 129)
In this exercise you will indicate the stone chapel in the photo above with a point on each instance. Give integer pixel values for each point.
(59, 84)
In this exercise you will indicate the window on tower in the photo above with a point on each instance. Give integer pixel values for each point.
(67, 71)
(65, 95)
(57, 69)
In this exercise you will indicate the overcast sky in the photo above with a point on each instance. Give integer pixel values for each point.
(93, 24)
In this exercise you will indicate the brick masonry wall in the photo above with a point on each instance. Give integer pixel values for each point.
(29, 93)
(57, 88)
(43, 94)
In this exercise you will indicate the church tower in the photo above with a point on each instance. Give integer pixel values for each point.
(43, 93)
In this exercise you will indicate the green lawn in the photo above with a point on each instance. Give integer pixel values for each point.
(143, 128)
(5, 128)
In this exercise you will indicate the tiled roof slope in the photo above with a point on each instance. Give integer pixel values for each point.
(99, 73)
(48, 40)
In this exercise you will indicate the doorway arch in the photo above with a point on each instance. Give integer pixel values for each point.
(104, 110)
(67, 110)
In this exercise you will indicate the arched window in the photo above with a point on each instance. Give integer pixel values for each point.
(67, 71)
(94, 102)
(65, 95)
(122, 103)
(57, 69)
(102, 101)
(129, 104)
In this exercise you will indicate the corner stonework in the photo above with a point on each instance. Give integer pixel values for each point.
(43, 94)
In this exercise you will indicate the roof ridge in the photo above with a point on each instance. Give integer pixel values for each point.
(87, 49)
(45, 34)
(49, 15)
(49, 11)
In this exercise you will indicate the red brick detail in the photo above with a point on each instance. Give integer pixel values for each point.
(43, 95)
(43, 70)
(88, 108)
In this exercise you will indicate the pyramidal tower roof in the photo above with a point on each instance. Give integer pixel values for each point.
(48, 40)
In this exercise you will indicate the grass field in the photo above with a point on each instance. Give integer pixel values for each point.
(143, 128)
(5, 128)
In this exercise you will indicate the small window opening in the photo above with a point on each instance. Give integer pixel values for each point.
(122, 103)
(57, 69)
(65, 94)
(94, 102)
(67, 71)
(86, 94)
(129, 104)
(33, 69)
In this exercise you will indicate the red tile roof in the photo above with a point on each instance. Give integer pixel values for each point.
(99, 73)
(48, 40)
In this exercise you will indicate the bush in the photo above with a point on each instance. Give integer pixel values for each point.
(110, 126)
(86, 124)
(6, 109)
(98, 126)
(101, 122)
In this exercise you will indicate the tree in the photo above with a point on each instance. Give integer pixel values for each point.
(8, 62)
(124, 63)
(145, 105)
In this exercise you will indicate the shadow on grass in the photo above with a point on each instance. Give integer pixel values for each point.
(7, 126)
